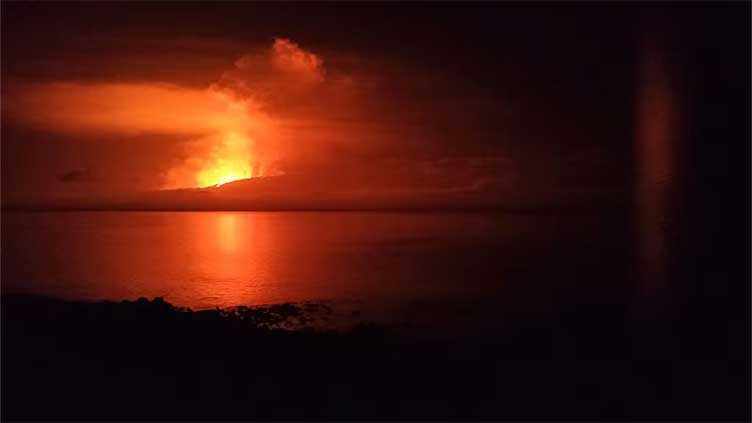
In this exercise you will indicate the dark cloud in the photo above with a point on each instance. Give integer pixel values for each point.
(76, 175)
(498, 98)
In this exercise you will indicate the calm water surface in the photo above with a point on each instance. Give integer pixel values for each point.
(220, 259)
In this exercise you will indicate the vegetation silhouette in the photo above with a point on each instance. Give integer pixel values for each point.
(150, 360)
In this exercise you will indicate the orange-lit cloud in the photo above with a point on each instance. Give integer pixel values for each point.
(353, 129)
(289, 57)
(239, 126)
(103, 108)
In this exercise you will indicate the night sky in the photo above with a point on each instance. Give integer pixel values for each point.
(498, 104)
(571, 180)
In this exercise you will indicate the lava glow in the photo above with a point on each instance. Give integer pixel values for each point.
(230, 161)
(232, 129)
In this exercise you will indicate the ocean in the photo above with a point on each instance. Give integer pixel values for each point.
(405, 266)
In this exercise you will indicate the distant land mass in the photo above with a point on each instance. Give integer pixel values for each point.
(301, 192)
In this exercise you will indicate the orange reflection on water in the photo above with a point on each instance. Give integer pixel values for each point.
(231, 261)
(223, 259)
(227, 232)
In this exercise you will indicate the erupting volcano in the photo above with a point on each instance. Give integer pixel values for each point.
(231, 161)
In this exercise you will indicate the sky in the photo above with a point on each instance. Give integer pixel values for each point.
(358, 105)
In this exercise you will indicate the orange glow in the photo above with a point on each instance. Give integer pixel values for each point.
(221, 128)
(239, 127)
(231, 161)
(227, 232)
(231, 155)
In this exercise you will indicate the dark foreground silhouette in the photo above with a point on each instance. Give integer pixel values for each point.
(137, 360)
